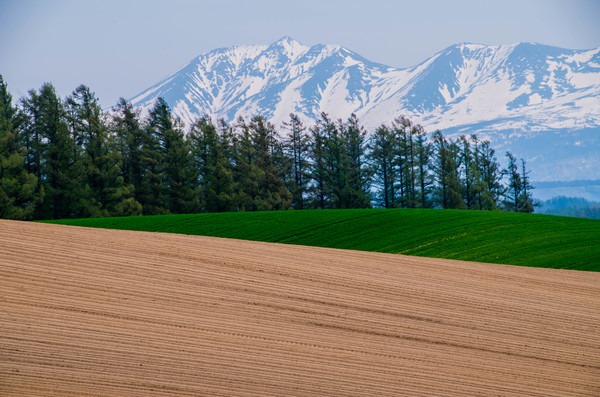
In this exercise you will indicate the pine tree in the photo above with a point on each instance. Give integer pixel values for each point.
(470, 173)
(297, 149)
(318, 167)
(404, 161)
(131, 144)
(17, 186)
(336, 160)
(424, 152)
(272, 192)
(357, 173)
(52, 155)
(382, 156)
(177, 192)
(526, 203)
(211, 157)
(512, 200)
(101, 163)
(225, 194)
(245, 173)
(447, 192)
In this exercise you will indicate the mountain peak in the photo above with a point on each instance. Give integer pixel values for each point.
(287, 40)
(471, 88)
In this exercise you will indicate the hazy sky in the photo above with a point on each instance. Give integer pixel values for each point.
(120, 47)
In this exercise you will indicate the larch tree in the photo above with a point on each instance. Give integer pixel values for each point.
(297, 148)
(17, 186)
(53, 150)
(382, 148)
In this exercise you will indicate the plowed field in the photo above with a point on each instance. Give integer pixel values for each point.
(106, 312)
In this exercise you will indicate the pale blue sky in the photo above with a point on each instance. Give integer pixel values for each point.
(120, 47)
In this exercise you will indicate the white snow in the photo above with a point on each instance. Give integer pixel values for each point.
(478, 89)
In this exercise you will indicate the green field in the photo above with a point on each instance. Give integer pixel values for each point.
(484, 236)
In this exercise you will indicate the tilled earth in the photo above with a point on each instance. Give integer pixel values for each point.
(104, 312)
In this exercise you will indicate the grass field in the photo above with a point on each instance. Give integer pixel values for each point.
(493, 237)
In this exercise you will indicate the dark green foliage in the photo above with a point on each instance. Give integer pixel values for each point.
(297, 150)
(130, 141)
(383, 156)
(485, 236)
(447, 194)
(169, 174)
(212, 157)
(518, 192)
(104, 192)
(357, 174)
(319, 189)
(271, 192)
(17, 186)
(52, 155)
(69, 159)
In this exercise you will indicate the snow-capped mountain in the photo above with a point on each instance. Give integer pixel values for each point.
(540, 102)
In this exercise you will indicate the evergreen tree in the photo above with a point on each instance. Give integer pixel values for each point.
(318, 167)
(211, 157)
(447, 193)
(358, 175)
(52, 155)
(17, 186)
(272, 192)
(177, 178)
(512, 201)
(107, 195)
(526, 203)
(130, 143)
(423, 158)
(336, 162)
(246, 173)
(383, 160)
(297, 147)
(224, 186)
(404, 161)
(470, 173)
(489, 189)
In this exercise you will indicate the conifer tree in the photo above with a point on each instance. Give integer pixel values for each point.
(526, 203)
(245, 173)
(383, 160)
(52, 155)
(211, 157)
(336, 160)
(297, 149)
(401, 128)
(424, 152)
(357, 173)
(131, 144)
(17, 186)
(470, 173)
(105, 191)
(512, 201)
(318, 167)
(177, 178)
(447, 193)
(272, 192)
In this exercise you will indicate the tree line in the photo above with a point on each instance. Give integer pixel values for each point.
(69, 159)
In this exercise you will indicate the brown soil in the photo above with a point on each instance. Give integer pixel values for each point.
(103, 312)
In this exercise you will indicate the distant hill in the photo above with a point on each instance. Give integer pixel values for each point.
(570, 206)
(540, 102)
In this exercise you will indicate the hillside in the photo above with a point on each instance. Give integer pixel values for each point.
(103, 312)
(482, 236)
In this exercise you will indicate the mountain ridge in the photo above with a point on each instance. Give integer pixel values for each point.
(506, 93)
